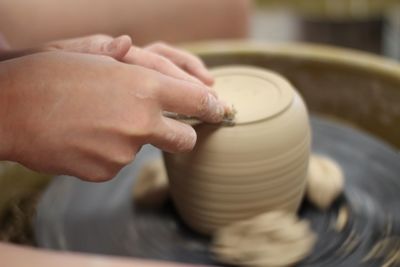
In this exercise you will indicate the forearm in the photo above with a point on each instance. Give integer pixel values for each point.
(31, 23)
(15, 256)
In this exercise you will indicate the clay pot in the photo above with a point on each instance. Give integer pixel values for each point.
(258, 165)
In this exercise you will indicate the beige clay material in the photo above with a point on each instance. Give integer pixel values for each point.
(342, 218)
(270, 239)
(256, 94)
(325, 181)
(151, 188)
(257, 181)
(257, 165)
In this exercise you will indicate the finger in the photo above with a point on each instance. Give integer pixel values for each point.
(118, 47)
(173, 136)
(95, 44)
(84, 44)
(161, 64)
(158, 63)
(189, 99)
(185, 60)
(105, 45)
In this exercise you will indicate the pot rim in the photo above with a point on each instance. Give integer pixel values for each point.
(300, 51)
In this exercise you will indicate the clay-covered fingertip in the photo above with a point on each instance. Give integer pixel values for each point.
(229, 111)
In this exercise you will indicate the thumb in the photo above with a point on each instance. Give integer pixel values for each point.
(117, 47)
(95, 44)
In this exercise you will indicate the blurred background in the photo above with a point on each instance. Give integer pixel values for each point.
(370, 25)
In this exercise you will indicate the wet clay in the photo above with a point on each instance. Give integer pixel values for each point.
(271, 239)
(276, 238)
(151, 188)
(257, 165)
(254, 93)
(325, 181)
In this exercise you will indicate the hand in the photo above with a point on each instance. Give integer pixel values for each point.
(88, 115)
(158, 56)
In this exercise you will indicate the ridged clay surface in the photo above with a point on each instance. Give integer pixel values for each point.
(256, 166)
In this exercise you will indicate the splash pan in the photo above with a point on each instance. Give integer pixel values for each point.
(78, 216)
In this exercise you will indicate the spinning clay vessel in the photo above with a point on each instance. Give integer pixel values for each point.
(257, 165)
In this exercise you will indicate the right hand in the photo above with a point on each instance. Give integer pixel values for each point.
(88, 115)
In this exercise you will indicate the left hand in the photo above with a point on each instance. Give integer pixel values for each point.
(158, 56)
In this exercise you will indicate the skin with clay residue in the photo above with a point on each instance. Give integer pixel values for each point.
(104, 110)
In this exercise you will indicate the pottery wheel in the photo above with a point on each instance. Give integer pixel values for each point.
(101, 218)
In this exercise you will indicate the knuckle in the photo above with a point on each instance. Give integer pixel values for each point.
(97, 43)
(142, 129)
(147, 125)
(101, 37)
